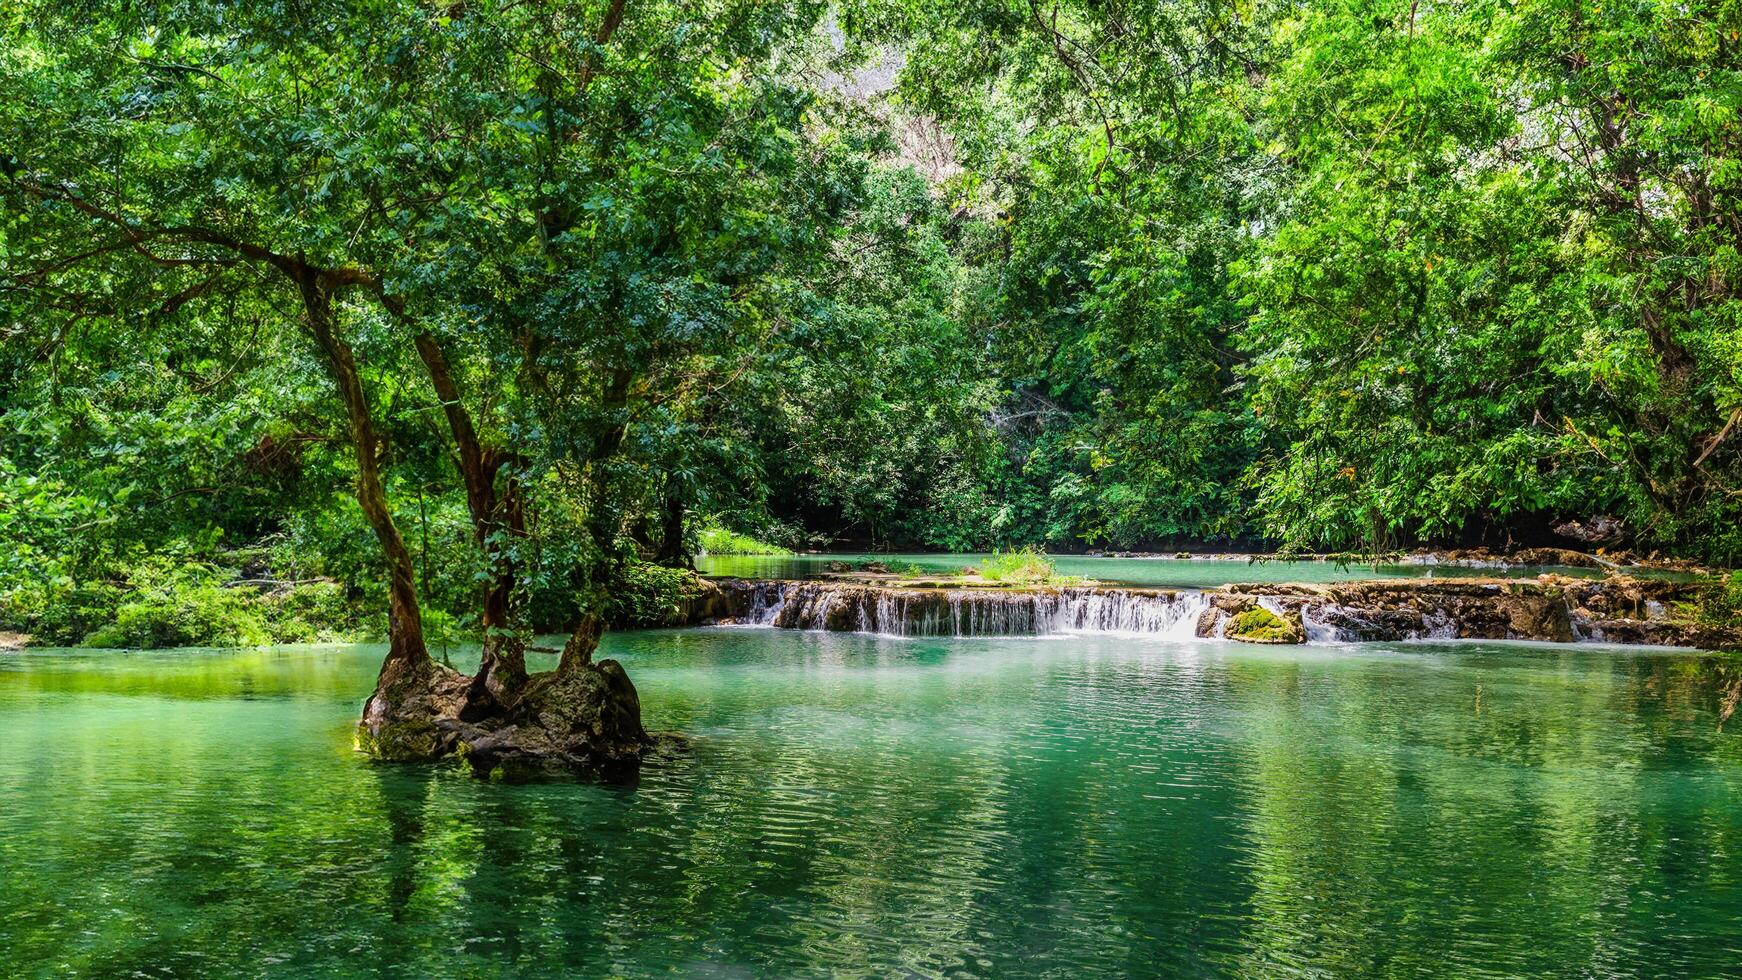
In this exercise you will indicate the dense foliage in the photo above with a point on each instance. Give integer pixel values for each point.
(557, 286)
(1348, 274)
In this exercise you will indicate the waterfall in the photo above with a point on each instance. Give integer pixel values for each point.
(1318, 631)
(1121, 612)
(766, 601)
(966, 612)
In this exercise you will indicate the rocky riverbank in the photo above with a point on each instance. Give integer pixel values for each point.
(1555, 609)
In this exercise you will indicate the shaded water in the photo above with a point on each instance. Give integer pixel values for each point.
(1175, 573)
(1068, 806)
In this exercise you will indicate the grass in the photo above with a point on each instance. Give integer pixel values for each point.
(1027, 565)
(716, 540)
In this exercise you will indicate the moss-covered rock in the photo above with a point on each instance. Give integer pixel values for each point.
(414, 713)
(1260, 625)
(584, 720)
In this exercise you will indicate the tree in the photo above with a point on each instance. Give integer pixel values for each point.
(586, 205)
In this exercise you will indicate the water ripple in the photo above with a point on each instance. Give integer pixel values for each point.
(1067, 806)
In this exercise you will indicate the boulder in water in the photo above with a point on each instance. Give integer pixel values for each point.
(1257, 624)
(582, 718)
(408, 718)
(585, 720)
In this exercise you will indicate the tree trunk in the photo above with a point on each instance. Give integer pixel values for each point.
(502, 671)
(414, 697)
(578, 651)
(671, 543)
(404, 621)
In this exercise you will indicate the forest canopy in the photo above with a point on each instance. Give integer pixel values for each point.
(481, 312)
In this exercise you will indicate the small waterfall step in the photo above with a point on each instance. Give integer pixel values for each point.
(1616, 609)
(964, 612)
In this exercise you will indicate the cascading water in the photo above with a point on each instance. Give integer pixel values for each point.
(766, 600)
(1316, 630)
(1173, 614)
(848, 608)
(1343, 615)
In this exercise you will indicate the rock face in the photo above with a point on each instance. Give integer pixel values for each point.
(1552, 609)
(1595, 530)
(1383, 611)
(405, 719)
(1616, 609)
(706, 602)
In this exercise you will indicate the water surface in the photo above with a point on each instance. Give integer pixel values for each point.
(1067, 806)
(1181, 573)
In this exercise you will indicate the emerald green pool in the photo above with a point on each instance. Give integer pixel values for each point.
(1068, 806)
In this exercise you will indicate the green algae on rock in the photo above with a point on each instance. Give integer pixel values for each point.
(1260, 625)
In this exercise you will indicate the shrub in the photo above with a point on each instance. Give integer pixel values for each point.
(716, 540)
(167, 601)
(1027, 565)
(320, 612)
(1721, 605)
(181, 614)
(60, 614)
(651, 595)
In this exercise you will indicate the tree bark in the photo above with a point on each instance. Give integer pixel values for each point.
(502, 671)
(405, 644)
(602, 523)
(671, 521)
(578, 651)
